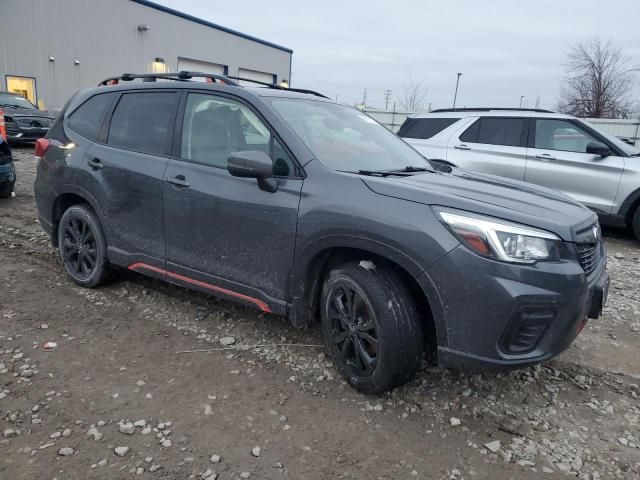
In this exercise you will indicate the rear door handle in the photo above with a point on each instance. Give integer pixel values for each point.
(462, 147)
(179, 181)
(95, 163)
(545, 157)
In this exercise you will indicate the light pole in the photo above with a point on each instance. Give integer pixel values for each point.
(455, 95)
(521, 99)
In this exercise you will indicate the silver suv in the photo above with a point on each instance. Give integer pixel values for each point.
(537, 146)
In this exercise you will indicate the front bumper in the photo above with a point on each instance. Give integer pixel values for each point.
(498, 316)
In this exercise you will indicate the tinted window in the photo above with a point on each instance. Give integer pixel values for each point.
(424, 127)
(561, 135)
(87, 119)
(214, 127)
(495, 131)
(142, 122)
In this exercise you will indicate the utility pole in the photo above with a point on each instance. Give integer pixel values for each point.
(364, 99)
(521, 99)
(387, 96)
(455, 95)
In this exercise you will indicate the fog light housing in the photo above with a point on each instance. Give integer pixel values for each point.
(527, 328)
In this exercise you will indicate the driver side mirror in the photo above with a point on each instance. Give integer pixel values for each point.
(253, 164)
(598, 148)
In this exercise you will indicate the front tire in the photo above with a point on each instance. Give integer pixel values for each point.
(6, 190)
(635, 223)
(371, 326)
(83, 247)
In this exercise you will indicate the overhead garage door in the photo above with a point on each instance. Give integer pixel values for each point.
(255, 75)
(200, 66)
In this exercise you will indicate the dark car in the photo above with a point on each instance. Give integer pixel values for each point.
(23, 120)
(300, 206)
(7, 169)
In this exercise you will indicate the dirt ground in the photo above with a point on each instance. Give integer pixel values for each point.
(117, 398)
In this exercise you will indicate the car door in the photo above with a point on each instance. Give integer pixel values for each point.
(495, 145)
(128, 168)
(225, 234)
(557, 159)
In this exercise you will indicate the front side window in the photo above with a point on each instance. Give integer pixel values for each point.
(561, 135)
(214, 127)
(495, 131)
(87, 118)
(343, 138)
(424, 128)
(142, 122)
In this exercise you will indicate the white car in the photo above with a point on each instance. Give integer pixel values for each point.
(537, 146)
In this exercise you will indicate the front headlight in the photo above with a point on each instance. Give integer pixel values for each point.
(500, 239)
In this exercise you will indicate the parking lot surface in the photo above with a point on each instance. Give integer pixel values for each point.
(149, 380)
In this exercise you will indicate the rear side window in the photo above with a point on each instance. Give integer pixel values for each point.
(142, 122)
(496, 131)
(424, 128)
(87, 119)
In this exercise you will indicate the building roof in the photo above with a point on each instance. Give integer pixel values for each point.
(191, 18)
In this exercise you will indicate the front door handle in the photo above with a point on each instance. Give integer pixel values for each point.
(545, 157)
(179, 181)
(95, 163)
(462, 147)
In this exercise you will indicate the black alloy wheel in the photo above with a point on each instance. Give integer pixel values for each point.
(371, 325)
(79, 249)
(353, 329)
(83, 247)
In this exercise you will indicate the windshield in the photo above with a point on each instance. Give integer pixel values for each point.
(625, 147)
(343, 138)
(16, 101)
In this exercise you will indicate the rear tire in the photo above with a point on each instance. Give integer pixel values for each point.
(635, 223)
(371, 326)
(5, 191)
(83, 247)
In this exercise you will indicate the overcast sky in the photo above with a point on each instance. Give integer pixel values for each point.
(504, 48)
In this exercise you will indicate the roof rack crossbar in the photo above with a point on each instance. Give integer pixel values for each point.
(490, 109)
(182, 76)
(185, 76)
(278, 87)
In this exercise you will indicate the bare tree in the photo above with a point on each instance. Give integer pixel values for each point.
(598, 81)
(413, 96)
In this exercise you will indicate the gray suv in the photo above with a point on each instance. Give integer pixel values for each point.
(284, 200)
(537, 146)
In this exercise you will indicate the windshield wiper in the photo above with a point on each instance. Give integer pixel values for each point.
(410, 169)
(377, 173)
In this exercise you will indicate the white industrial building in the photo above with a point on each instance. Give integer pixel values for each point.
(53, 48)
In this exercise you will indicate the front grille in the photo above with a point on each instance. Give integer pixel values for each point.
(34, 122)
(588, 256)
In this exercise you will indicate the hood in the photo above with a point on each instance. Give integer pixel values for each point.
(25, 112)
(490, 195)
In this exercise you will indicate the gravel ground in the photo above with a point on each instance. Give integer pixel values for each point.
(121, 393)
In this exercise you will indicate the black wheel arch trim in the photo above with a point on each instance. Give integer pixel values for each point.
(626, 207)
(88, 198)
(311, 260)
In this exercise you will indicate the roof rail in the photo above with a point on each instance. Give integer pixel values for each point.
(278, 87)
(182, 76)
(490, 109)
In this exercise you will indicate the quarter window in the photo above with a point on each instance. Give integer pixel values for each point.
(561, 135)
(214, 127)
(87, 119)
(495, 131)
(142, 122)
(424, 128)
